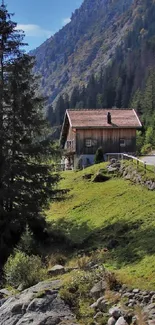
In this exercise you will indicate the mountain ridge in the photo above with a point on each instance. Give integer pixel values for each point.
(81, 47)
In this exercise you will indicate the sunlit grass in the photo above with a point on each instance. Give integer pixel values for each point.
(114, 210)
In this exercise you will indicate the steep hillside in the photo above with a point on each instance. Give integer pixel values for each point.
(114, 214)
(83, 46)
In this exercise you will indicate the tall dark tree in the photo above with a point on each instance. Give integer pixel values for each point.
(91, 93)
(26, 181)
(51, 115)
(60, 110)
(74, 97)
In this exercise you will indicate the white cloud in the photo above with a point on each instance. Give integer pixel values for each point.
(66, 21)
(34, 30)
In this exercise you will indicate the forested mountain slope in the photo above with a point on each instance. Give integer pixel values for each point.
(104, 57)
(83, 46)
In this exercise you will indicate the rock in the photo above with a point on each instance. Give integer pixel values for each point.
(135, 290)
(98, 315)
(98, 289)
(20, 288)
(132, 302)
(2, 301)
(150, 310)
(111, 321)
(128, 295)
(146, 299)
(115, 312)
(56, 270)
(153, 299)
(103, 305)
(121, 321)
(100, 304)
(112, 169)
(94, 305)
(151, 322)
(4, 292)
(38, 305)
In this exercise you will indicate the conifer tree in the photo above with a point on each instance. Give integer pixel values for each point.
(60, 110)
(148, 104)
(26, 181)
(74, 97)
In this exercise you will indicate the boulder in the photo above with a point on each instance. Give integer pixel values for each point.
(153, 299)
(112, 169)
(121, 321)
(111, 321)
(38, 305)
(98, 289)
(135, 290)
(5, 292)
(98, 315)
(115, 312)
(56, 270)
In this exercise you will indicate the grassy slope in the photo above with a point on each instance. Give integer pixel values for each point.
(96, 213)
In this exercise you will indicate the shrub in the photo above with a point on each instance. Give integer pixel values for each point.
(23, 269)
(83, 262)
(146, 148)
(27, 242)
(99, 156)
(56, 258)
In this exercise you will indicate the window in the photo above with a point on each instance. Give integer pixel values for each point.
(88, 143)
(125, 142)
(122, 142)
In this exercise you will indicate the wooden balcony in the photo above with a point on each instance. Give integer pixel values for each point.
(70, 147)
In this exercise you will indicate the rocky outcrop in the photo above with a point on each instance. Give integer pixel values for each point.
(132, 299)
(38, 305)
(130, 173)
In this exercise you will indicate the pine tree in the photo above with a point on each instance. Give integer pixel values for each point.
(74, 97)
(51, 115)
(26, 181)
(92, 93)
(148, 104)
(60, 110)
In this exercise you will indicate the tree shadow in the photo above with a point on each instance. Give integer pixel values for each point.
(128, 242)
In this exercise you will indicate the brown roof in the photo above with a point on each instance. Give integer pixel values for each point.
(123, 118)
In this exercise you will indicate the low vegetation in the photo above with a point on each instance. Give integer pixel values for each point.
(24, 270)
(116, 216)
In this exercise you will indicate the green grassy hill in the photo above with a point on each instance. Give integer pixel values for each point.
(115, 214)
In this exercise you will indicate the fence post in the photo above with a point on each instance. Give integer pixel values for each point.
(144, 167)
(137, 163)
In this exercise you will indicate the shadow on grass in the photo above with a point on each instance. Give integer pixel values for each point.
(127, 242)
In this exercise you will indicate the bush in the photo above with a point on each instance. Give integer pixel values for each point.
(27, 242)
(146, 149)
(23, 269)
(99, 156)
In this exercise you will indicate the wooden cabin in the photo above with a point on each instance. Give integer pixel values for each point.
(84, 131)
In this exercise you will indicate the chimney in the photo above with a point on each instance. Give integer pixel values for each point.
(109, 118)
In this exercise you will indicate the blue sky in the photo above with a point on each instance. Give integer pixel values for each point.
(41, 18)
